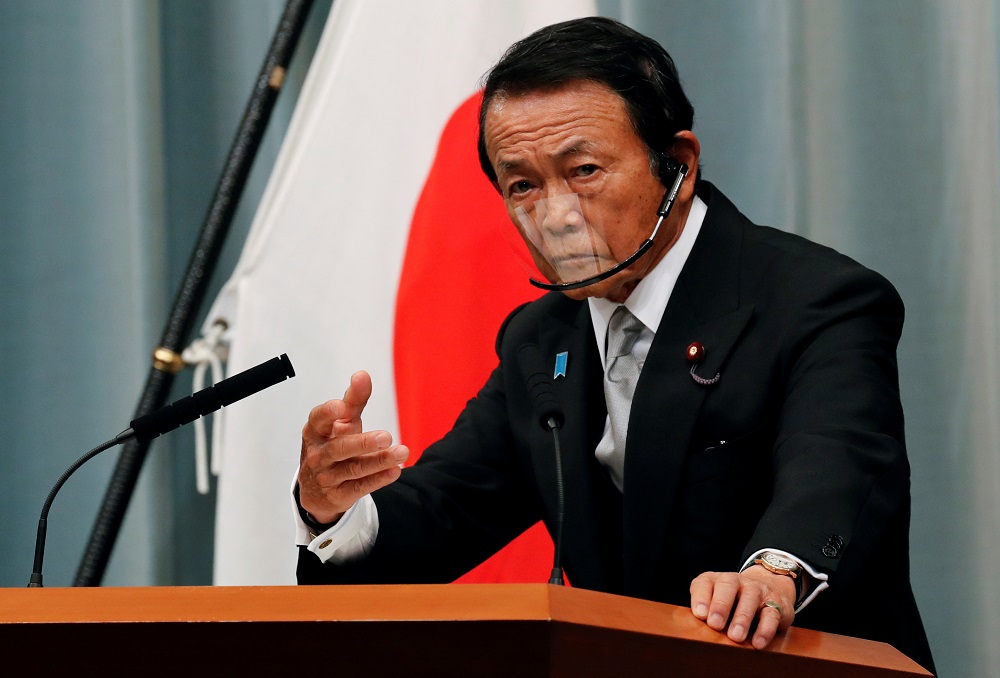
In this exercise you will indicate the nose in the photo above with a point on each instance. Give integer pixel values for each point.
(560, 214)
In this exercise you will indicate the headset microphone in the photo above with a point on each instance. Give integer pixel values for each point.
(667, 166)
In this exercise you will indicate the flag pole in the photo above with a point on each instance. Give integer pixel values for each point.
(167, 361)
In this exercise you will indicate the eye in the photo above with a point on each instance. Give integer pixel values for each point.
(586, 170)
(519, 187)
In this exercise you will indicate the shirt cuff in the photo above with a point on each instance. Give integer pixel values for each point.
(350, 539)
(353, 536)
(814, 581)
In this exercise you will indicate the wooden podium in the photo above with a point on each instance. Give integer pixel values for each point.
(517, 630)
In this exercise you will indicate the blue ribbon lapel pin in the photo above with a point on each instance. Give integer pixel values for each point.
(561, 360)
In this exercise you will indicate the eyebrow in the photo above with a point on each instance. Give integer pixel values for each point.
(574, 147)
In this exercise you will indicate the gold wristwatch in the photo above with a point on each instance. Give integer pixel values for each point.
(778, 564)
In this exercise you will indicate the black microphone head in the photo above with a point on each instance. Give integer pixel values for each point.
(547, 407)
(286, 365)
(206, 401)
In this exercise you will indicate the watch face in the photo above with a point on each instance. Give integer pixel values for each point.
(777, 561)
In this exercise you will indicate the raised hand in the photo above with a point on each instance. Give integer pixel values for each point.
(340, 463)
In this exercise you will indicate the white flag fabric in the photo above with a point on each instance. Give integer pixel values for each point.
(319, 273)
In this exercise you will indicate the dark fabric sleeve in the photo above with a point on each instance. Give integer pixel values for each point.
(840, 473)
(462, 501)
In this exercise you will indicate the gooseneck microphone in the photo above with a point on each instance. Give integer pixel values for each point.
(208, 400)
(551, 418)
(167, 418)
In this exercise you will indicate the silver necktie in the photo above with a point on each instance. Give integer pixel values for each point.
(620, 377)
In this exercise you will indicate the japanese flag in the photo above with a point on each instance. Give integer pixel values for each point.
(377, 245)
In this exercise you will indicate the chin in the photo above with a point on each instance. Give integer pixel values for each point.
(614, 289)
(582, 293)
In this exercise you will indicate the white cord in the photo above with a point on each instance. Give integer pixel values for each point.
(208, 350)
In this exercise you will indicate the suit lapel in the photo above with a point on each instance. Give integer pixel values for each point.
(582, 395)
(704, 307)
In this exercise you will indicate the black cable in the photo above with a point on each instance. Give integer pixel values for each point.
(557, 574)
(36, 571)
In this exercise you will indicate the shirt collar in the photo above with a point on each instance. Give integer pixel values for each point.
(649, 299)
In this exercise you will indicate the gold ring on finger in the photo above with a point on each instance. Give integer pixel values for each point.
(772, 604)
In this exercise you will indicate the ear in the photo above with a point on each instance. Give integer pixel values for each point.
(687, 150)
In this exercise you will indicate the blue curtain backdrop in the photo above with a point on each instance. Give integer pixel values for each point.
(872, 127)
(114, 124)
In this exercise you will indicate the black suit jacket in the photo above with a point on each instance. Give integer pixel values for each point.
(798, 446)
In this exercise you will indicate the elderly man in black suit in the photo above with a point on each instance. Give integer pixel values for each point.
(733, 433)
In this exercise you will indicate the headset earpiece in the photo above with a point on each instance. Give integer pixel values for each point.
(667, 168)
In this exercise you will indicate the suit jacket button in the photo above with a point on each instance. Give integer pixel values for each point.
(830, 551)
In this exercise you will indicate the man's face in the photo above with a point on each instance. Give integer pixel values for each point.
(577, 182)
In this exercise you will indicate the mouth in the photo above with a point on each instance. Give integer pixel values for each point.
(575, 258)
(578, 266)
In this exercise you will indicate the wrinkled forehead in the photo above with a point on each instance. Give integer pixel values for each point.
(570, 115)
(580, 90)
